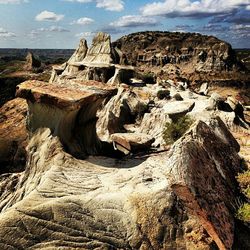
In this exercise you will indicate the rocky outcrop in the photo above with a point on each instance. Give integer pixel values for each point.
(13, 136)
(80, 52)
(100, 51)
(200, 52)
(167, 201)
(96, 63)
(32, 62)
(122, 109)
(69, 111)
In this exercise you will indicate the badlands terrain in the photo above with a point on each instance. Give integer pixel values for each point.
(92, 158)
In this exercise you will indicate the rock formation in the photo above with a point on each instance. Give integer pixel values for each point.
(198, 52)
(96, 63)
(168, 201)
(69, 111)
(98, 173)
(32, 62)
(13, 136)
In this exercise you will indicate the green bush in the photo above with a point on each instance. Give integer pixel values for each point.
(163, 93)
(173, 131)
(243, 212)
(148, 78)
(244, 181)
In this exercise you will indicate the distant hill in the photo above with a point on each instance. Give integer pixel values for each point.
(190, 51)
(46, 55)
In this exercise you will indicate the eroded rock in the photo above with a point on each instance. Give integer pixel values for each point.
(167, 201)
(132, 142)
(177, 109)
(13, 136)
(32, 62)
(69, 111)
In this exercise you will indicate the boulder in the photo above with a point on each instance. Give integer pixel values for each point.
(177, 109)
(121, 109)
(152, 124)
(203, 89)
(163, 94)
(178, 97)
(131, 142)
(215, 101)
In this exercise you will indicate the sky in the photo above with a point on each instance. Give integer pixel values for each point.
(61, 23)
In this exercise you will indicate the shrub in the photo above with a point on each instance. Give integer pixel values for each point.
(148, 78)
(163, 93)
(244, 181)
(244, 212)
(173, 131)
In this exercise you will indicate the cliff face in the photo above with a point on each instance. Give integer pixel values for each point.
(200, 52)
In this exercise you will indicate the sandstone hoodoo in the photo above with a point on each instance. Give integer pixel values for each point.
(69, 111)
(32, 62)
(100, 173)
(96, 63)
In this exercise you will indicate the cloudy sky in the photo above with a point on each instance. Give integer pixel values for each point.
(61, 23)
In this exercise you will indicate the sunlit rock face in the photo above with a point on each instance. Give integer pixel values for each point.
(96, 63)
(166, 201)
(69, 111)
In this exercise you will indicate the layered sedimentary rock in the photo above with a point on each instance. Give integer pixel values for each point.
(69, 111)
(96, 63)
(100, 51)
(166, 201)
(200, 52)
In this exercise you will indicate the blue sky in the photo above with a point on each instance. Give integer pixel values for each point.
(61, 23)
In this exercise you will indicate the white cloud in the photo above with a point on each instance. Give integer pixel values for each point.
(134, 21)
(174, 8)
(79, 1)
(6, 34)
(13, 1)
(243, 27)
(85, 34)
(53, 29)
(49, 16)
(112, 5)
(83, 21)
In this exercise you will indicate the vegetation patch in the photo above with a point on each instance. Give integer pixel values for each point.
(148, 78)
(244, 212)
(173, 131)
